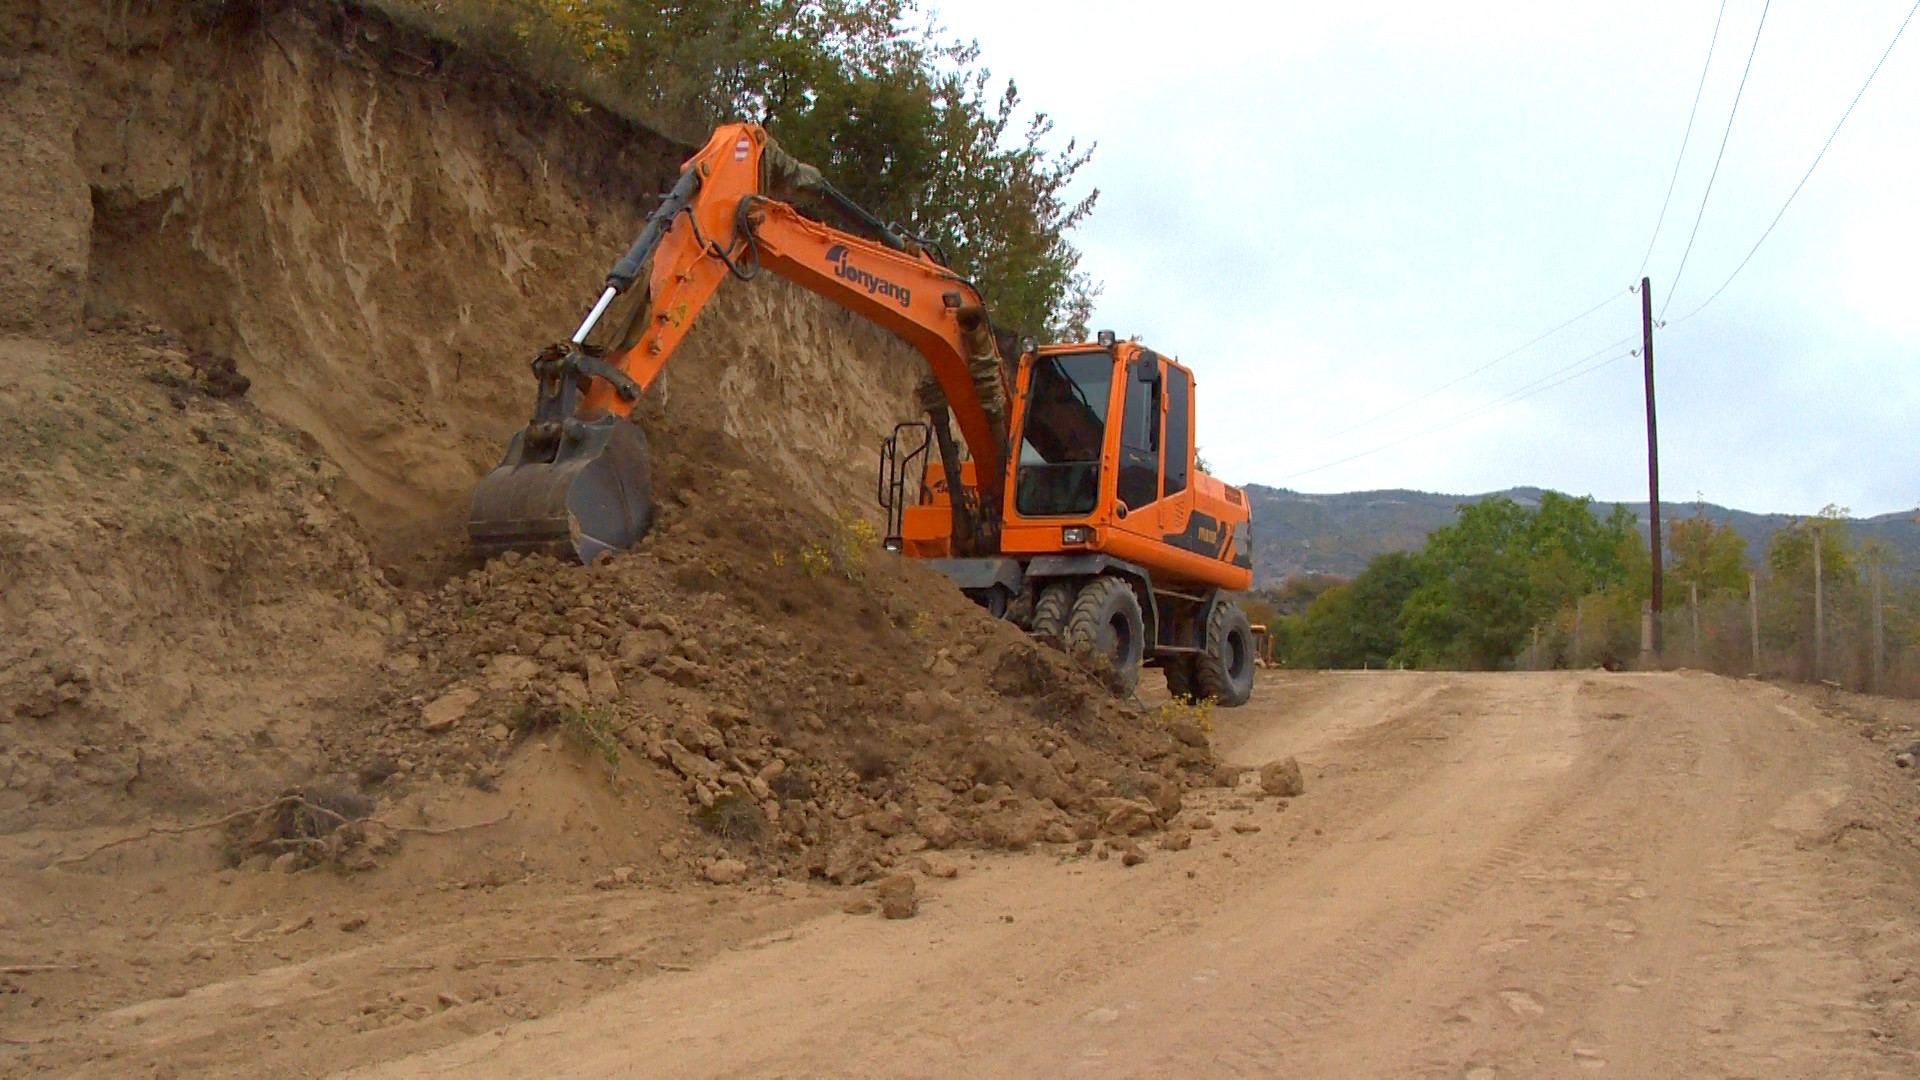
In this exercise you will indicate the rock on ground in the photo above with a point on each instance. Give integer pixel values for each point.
(896, 896)
(1282, 778)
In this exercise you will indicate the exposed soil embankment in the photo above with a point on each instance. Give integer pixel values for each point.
(381, 231)
(271, 278)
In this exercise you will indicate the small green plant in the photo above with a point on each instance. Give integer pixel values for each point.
(853, 537)
(591, 731)
(815, 560)
(917, 623)
(733, 817)
(1197, 711)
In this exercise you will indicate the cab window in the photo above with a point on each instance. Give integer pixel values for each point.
(1063, 435)
(1139, 476)
(1179, 428)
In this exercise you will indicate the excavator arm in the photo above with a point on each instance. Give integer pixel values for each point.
(577, 475)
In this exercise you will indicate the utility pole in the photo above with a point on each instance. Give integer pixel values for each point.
(1653, 456)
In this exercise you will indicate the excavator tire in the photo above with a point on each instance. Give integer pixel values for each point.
(1050, 611)
(1225, 670)
(1106, 622)
(1181, 676)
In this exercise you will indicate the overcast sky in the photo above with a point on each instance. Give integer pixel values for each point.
(1330, 210)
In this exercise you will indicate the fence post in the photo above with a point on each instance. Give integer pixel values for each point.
(1879, 631)
(1578, 661)
(1819, 612)
(1753, 617)
(1693, 612)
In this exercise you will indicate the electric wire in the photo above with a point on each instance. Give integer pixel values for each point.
(1369, 421)
(1808, 175)
(1708, 193)
(1519, 393)
(1684, 139)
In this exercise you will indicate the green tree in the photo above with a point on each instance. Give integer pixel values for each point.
(903, 122)
(1790, 551)
(1708, 555)
(1788, 609)
(1293, 595)
(1358, 624)
(1501, 570)
(1471, 611)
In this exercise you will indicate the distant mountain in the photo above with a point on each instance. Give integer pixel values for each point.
(1298, 533)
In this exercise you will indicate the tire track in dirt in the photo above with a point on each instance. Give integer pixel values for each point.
(1465, 890)
(1328, 979)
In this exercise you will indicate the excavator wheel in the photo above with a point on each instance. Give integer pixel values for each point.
(1050, 611)
(1106, 622)
(1225, 671)
(589, 495)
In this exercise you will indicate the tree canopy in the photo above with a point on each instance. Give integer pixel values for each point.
(1473, 596)
(1710, 556)
(905, 123)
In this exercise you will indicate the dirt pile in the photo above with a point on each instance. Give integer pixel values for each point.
(820, 706)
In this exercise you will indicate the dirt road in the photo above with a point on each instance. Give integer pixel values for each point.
(1489, 876)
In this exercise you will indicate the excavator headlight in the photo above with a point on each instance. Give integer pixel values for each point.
(891, 545)
(1106, 339)
(1075, 534)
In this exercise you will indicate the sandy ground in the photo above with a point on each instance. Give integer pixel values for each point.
(1489, 875)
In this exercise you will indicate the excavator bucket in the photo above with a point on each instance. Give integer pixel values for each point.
(577, 486)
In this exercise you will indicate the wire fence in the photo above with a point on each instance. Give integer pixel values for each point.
(1859, 634)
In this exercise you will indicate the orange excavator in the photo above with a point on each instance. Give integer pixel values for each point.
(1075, 506)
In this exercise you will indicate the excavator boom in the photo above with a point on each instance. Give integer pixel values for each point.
(577, 476)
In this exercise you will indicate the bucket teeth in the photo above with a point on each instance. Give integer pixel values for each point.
(585, 489)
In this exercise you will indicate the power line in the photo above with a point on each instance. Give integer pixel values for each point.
(1809, 173)
(1731, 113)
(1525, 390)
(1369, 421)
(1682, 156)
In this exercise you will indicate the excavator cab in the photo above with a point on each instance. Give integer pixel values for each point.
(1061, 442)
(1111, 540)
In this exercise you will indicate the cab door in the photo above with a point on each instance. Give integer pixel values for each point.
(1137, 482)
(1176, 406)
